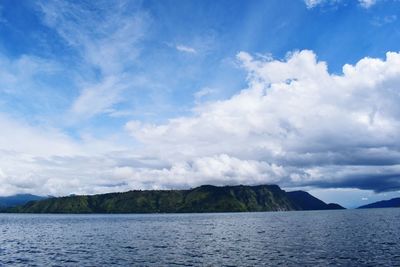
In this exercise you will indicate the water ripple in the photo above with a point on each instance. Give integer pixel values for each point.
(347, 238)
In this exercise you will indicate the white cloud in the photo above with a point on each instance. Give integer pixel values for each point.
(321, 129)
(314, 3)
(97, 98)
(186, 49)
(218, 170)
(367, 3)
(202, 93)
(42, 141)
(20, 74)
(44, 160)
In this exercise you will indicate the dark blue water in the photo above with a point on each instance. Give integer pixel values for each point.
(348, 238)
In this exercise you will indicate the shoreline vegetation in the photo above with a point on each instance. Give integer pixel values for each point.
(205, 198)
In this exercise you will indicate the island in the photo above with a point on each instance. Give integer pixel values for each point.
(206, 198)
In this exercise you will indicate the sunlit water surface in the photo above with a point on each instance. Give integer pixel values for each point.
(348, 238)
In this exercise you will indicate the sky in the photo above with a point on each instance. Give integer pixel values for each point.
(106, 96)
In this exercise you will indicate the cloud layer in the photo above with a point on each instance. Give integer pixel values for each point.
(295, 124)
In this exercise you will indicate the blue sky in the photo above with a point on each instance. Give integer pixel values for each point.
(109, 96)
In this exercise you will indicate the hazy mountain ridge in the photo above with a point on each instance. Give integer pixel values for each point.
(305, 201)
(206, 198)
(391, 203)
(19, 199)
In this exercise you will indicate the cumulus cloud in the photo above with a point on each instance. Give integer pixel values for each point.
(320, 129)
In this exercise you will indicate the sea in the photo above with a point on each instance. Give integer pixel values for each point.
(369, 237)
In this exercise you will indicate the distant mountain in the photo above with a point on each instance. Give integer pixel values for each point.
(19, 199)
(335, 206)
(205, 198)
(305, 201)
(392, 203)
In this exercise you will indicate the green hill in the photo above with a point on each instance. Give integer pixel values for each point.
(205, 198)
